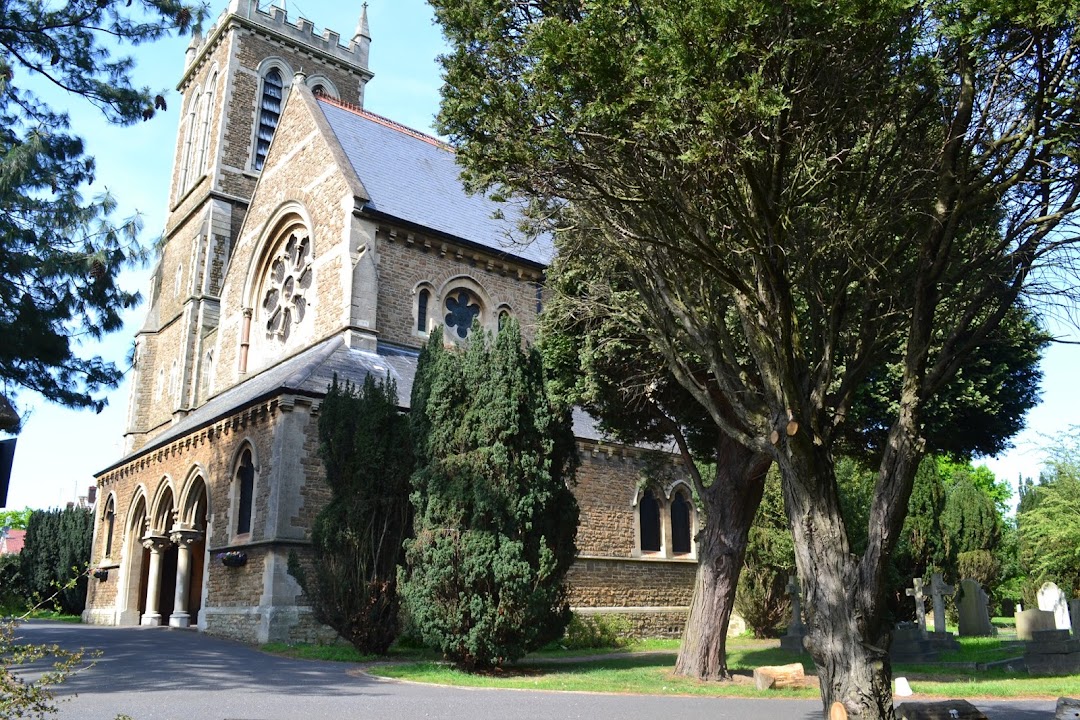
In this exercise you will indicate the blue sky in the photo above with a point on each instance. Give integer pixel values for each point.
(59, 450)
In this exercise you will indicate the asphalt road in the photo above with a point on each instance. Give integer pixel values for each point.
(168, 674)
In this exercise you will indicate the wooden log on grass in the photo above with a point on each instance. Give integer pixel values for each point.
(771, 677)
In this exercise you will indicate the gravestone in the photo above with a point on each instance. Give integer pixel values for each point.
(1074, 616)
(938, 591)
(1052, 652)
(911, 644)
(1030, 621)
(972, 607)
(916, 591)
(796, 633)
(1051, 598)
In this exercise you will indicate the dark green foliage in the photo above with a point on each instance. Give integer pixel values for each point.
(921, 549)
(60, 253)
(494, 519)
(596, 632)
(13, 593)
(969, 521)
(56, 555)
(365, 445)
(761, 599)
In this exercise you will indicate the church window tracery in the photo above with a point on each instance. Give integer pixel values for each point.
(462, 307)
(284, 300)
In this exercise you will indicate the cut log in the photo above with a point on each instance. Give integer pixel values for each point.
(944, 710)
(838, 712)
(771, 677)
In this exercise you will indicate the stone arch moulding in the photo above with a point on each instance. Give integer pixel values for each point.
(285, 73)
(424, 309)
(196, 480)
(279, 286)
(328, 87)
(163, 507)
(246, 444)
(473, 286)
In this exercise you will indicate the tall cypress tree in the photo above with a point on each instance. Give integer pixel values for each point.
(494, 517)
(365, 444)
(56, 555)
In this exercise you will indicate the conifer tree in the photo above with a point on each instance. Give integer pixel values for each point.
(57, 551)
(365, 444)
(60, 252)
(494, 518)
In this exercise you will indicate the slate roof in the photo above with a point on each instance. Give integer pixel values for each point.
(310, 372)
(415, 178)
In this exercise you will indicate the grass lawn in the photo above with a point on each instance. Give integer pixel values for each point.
(651, 673)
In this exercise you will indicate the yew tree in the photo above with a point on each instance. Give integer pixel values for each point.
(798, 189)
(594, 341)
(60, 251)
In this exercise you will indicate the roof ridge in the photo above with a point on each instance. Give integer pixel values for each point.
(385, 121)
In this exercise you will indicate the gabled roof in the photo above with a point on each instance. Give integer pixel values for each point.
(415, 178)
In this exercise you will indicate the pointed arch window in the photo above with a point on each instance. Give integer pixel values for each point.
(204, 130)
(681, 524)
(245, 487)
(649, 522)
(422, 310)
(108, 520)
(187, 172)
(273, 89)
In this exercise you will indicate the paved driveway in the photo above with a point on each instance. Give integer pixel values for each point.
(167, 674)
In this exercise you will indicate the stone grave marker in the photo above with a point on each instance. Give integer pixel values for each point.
(1052, 652)
(1051, 598)
(938, 590)
(974, 614)
(1074, 616)
(1030, 621)
(916, 591)
(796, 632)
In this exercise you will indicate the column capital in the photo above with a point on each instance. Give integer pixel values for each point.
(155, 542)
(184, 537)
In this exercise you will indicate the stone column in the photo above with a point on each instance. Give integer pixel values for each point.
(155, 544)
(183, 539)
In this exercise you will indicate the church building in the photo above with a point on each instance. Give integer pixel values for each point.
(306, 238)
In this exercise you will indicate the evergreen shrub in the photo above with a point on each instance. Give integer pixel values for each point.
(495, 520)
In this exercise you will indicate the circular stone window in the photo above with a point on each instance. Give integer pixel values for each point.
(462, 307)
(287, 282)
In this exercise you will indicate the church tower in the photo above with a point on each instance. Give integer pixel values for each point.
(235, 81)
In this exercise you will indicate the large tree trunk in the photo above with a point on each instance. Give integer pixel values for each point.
(729, 506)
(847, 634)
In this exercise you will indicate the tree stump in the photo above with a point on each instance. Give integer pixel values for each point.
(771, 677)
(944, 710)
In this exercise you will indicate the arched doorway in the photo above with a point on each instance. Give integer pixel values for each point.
(161, 576)
(189, 538)
(131, 592)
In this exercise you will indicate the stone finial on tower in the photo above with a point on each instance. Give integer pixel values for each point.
(362, 37)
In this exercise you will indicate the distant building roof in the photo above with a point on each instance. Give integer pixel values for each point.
(12, 541)
(415, 178)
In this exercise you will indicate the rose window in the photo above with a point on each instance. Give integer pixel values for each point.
(284, 302)
(461, 309)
